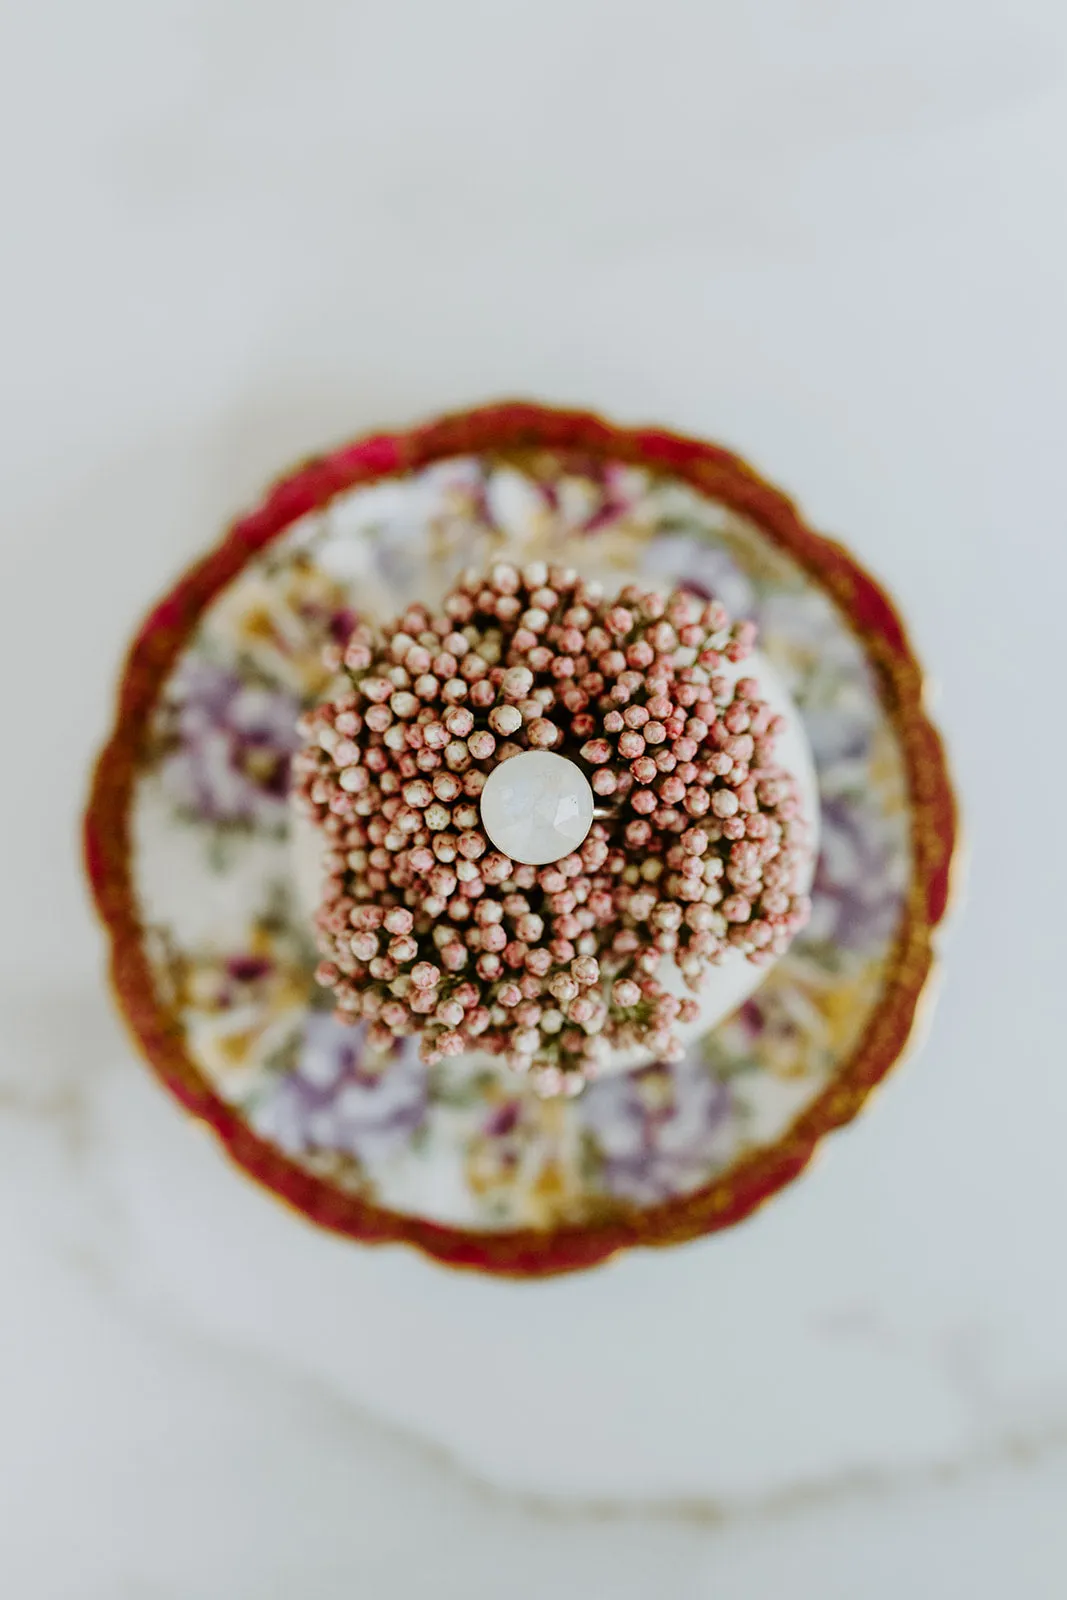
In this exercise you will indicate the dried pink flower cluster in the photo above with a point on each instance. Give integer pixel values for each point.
(427, 928)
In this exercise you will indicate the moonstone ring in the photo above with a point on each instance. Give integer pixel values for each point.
(537, 807)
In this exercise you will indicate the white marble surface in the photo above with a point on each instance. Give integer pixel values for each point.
(830, 234)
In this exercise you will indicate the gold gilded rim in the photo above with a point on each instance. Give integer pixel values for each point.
(509, 427)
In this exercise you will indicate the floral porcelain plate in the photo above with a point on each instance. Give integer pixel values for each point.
(189, 844)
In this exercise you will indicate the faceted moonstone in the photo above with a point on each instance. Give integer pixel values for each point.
(537, 807)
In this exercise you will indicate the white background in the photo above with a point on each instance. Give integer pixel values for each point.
(831, 235)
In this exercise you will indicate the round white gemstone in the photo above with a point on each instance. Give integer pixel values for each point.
(537, 807)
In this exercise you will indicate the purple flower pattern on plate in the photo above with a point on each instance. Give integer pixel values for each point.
(231, 742)
(856, 897)
(339, 1097)
(659, 1131)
